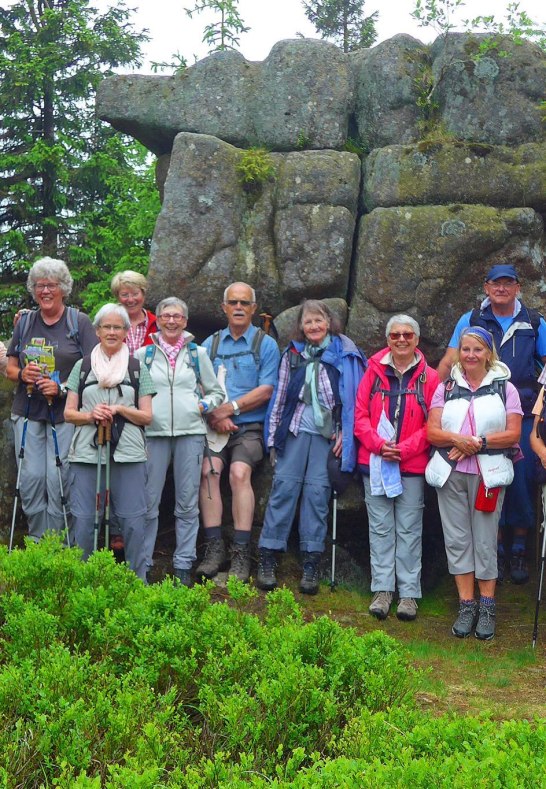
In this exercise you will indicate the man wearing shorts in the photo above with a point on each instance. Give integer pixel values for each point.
(251, 360)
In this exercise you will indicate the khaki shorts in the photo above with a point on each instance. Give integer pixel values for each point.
(244, 446)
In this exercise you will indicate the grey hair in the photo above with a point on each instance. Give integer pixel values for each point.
(50, 268)
(253, 292)
(405, 319)
(117, 309)
(171, 301)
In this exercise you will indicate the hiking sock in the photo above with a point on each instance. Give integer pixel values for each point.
(466, 602)
(214, 533)
(487, 600)
(241, 537)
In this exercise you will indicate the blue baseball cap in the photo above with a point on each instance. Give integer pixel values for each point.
(501, 271)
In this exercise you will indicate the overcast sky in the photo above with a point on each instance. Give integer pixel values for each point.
(270, 21)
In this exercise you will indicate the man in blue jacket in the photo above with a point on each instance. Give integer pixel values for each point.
(520, 340)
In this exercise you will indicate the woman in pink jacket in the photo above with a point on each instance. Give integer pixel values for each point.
(390, 424)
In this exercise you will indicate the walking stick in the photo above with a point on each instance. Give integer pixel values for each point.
(541, 579)
(21, 458)
(107, 439)
(96, 525)
(334, 537)
(59, 464)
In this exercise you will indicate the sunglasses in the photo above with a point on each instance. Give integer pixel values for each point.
(407, 335)
(242, 302)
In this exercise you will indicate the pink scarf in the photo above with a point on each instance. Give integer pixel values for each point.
(171, 351)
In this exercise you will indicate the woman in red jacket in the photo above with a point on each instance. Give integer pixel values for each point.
(390, 424)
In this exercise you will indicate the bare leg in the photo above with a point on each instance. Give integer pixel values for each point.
(465, 585)
(487, 588)
(211, 508)
(240, 480)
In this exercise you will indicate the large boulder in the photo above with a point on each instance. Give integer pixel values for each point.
(290, 237)
(440, 173)
(386, 92)
(430, 261)
(299, 96)
(493, 97)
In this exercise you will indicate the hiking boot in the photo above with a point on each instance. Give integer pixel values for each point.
(267, 564)
(468, 614)
(407, 609)
(309, 583)
(240, 562)
(485, 629)
(381, 604)
(213, 560)
(501, 567)
(519, 573)
(184, 576)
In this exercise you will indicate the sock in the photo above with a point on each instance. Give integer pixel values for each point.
(487, 600)
(213, 533)
(466, 602)
(518, 543)
(241, 537)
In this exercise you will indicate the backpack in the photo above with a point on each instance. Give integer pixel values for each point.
(193, 355)
(254, 349)
(453, 391)
(418, 391)
(534, 318)
(85, 369)
(28, 319)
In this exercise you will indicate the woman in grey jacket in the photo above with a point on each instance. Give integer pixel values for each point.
(186, 390)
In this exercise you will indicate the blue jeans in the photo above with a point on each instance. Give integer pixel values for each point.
(300, 471)
(518, 510)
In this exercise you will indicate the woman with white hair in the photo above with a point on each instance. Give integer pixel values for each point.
(46, 344)
(390, 424)
(187, 389)
(110, 389)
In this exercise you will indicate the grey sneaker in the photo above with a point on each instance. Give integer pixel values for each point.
(184, 576)
(380, 605)
(468, 614)
(266, 578)
(407, 609)
(485, 629)
(213, 560)
(309, 583)
(240, 562)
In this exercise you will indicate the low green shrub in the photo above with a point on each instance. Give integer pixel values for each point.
(106, 682)
(255, 167)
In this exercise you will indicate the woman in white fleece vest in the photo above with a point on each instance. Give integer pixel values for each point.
(475, 416)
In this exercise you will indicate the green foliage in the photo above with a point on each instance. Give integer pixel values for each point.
(255, 167)
(53, 152)
(224, 32)
(343, 22)
(355, 146)
(302, 141)
(107, 682)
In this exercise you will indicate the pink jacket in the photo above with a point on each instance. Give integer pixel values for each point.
(413, 442)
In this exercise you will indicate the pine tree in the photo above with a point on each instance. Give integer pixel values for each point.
(343, 22)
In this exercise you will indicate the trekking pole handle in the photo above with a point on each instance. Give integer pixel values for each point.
(108, 432)
(100, 435)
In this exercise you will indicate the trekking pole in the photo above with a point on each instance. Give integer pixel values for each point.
(21, 458)
(96, 524)
(59, 464)
(541, 579)
(334, 538)
(107, 439)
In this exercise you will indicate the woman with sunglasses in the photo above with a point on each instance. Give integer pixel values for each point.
(390, 424)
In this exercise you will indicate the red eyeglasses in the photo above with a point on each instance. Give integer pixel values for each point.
(407, 335)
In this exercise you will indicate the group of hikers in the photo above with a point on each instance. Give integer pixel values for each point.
(103, 408)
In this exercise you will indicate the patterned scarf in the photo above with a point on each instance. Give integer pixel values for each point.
(321, 415)
(171, 351)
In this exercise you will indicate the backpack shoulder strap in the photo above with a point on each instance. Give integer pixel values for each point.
(534, 319)
(26, 322)
(85, 369)
(72, 315)
(256, 346)
(474, 316)
(149, 355)
(193, 356)
(134, 376)
(214, 345)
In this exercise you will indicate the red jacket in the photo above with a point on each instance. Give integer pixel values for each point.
(151, 328)
(413, 444)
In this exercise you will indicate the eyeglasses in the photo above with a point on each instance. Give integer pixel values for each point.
(407, 335)
(110, 327)
(166, 316)
(242, 302)
(51, 286)
(500, 284)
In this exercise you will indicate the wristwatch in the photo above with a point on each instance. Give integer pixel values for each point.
(484, 443)
(236, 409)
